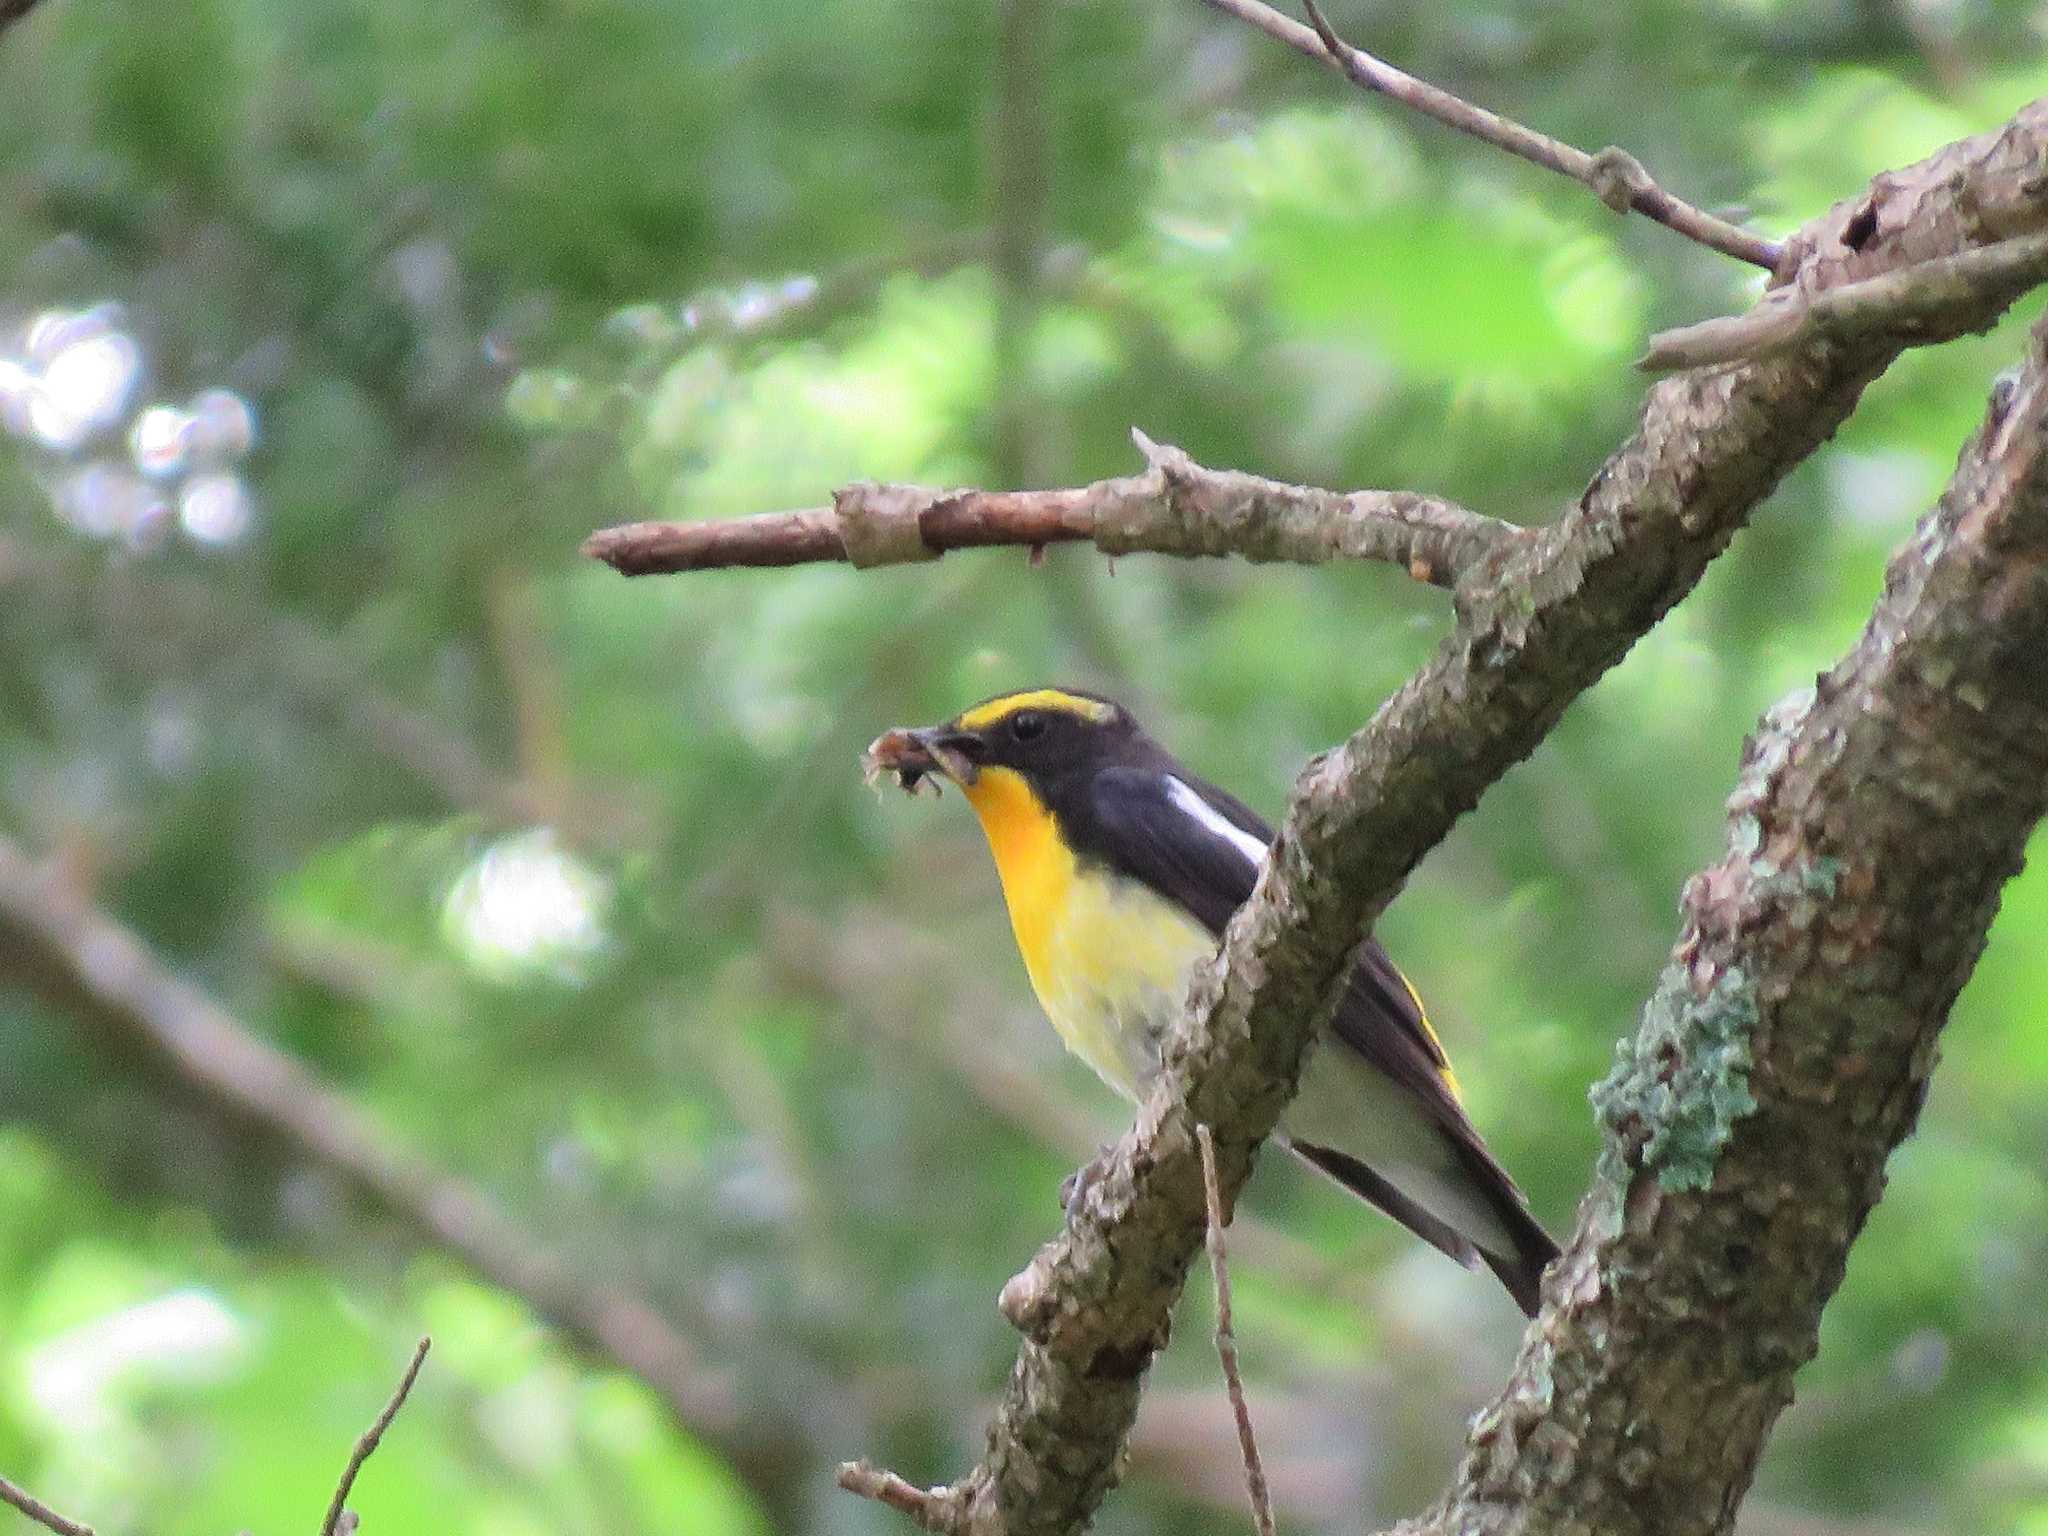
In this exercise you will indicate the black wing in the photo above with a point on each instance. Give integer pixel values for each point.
(1141, 831)
(1132, 823)
(1137, 822)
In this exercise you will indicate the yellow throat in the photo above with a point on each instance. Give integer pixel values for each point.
(1108, 958)
(1035, 866)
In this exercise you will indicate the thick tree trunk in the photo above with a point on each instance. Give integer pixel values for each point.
(1787, 1048)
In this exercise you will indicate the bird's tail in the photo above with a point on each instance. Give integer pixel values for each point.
(1527, 1251)
(1521, 1270)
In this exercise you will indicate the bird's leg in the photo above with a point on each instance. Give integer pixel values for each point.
(1075, 1187)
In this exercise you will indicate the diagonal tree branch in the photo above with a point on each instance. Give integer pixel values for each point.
(80, 960)
(1176, 507)
(36, 1510)
(1536, 626)
(1787, 1048)
(1614, 176)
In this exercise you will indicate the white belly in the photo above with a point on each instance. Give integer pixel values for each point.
(1114, 976)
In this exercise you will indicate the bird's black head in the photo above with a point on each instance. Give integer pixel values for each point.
(1040, 734)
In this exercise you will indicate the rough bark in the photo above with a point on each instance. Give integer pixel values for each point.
(1538, 622)
(1787, 1048)
(1790, 316)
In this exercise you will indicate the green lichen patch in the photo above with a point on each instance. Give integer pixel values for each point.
(1821, 876)
(1681, 1081)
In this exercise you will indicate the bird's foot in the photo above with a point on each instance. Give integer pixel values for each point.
(1076, 1186)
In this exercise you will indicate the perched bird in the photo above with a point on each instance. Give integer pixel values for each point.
(1120, 869)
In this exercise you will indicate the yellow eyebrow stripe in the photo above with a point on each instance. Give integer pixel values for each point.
(982, 716)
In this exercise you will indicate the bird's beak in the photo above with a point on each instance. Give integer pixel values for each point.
(913, 755)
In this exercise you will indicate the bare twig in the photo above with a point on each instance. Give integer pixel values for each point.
(1226, 1342)
(1176, 507)
(368, 1441)
(936, 1509)
(38, 1511)
(1898, 302)
(1613, 175)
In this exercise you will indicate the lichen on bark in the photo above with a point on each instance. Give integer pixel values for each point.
(1681, 1081)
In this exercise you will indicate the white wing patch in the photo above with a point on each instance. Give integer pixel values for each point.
(1214, 821)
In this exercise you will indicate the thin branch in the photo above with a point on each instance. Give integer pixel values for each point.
(1899, 301)
(84, 963)
(1616, 177)
(368, 1442)
(936, 1509)
(38, 1511)
(1226, 1342)
(1176, 507)
(1535, 628)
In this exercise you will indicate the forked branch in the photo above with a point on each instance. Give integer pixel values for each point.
(1896, 301)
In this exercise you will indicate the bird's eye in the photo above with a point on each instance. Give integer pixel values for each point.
(1027, 725)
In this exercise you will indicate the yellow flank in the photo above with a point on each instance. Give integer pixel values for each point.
(1108, 959)
(982, 716)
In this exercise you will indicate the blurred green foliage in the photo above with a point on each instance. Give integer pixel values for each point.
(572, 882)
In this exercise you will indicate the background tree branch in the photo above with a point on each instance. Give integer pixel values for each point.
(1534, 629)
(99, 973)
(12, 11)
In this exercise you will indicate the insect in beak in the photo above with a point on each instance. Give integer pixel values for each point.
(921, 756)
